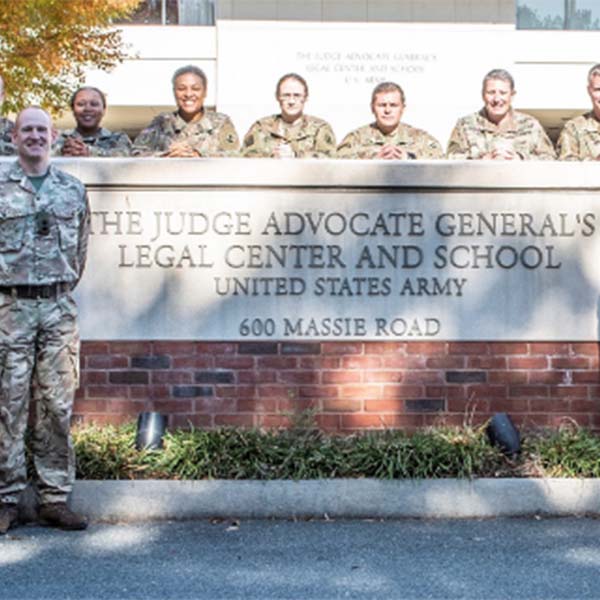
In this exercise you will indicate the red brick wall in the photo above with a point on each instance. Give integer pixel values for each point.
(350, 385)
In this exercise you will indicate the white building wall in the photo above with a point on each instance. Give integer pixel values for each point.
(549, 67)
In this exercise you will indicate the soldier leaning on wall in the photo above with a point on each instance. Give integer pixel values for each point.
(388, 138)
(291, 133)
(89, 138)
(497, 131)
(191, 131)
(580, 137)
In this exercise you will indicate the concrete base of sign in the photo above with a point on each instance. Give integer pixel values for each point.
(334, 498)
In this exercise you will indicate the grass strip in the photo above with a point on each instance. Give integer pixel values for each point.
(108, 452)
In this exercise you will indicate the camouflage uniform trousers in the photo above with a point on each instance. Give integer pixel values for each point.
(39, 347)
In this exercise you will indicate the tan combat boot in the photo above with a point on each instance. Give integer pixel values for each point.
(60, 515)
(9, 515)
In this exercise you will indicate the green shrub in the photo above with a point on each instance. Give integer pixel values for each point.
(229, 453)
(564, 453)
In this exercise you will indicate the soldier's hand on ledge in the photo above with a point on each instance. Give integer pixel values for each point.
(283, 151)
(75, 147)
(390, 152)
(505, 154)
(502, 154)
(181, 150)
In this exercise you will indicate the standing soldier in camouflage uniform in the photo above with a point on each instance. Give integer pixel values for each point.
(290, 133)
(44, 227)
(580, 137)
(89, 138)
(190, 131)
(387, 137)
(497, 131)
(6, 126)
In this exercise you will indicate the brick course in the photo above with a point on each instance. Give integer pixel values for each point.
(349, 386)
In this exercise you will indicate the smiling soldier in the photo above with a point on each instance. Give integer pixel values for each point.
(388, 138)
(580, 137)
(497, 131)
(89, 138)
(44, 228)
(190, 131)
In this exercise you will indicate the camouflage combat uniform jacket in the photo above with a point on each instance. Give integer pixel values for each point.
(43, 244)
(309, 137)
(6, 145)
(580, 138)
(474, 136)
(367, 141)
(59, 256)
(104, 143)
(213, 134)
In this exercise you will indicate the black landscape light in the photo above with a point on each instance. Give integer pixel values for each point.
(501, 432)
(151, 427)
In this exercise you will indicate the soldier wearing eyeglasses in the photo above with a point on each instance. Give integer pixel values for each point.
(291, 133)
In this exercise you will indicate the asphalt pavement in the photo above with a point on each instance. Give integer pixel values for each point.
(545, 558)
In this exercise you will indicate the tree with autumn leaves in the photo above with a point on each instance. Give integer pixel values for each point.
(47, 45)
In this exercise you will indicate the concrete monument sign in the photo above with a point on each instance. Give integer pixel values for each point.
(440, 67)
(231, 249)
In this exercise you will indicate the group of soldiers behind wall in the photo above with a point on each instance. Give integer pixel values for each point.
(496, 132)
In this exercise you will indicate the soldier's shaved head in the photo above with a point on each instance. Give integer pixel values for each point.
(32, 108)
(33, 136)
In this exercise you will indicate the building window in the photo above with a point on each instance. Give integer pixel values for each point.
(174, 12)
(558, 14)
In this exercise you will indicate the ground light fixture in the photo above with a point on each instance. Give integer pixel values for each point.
(501, 432)
(151, 427)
